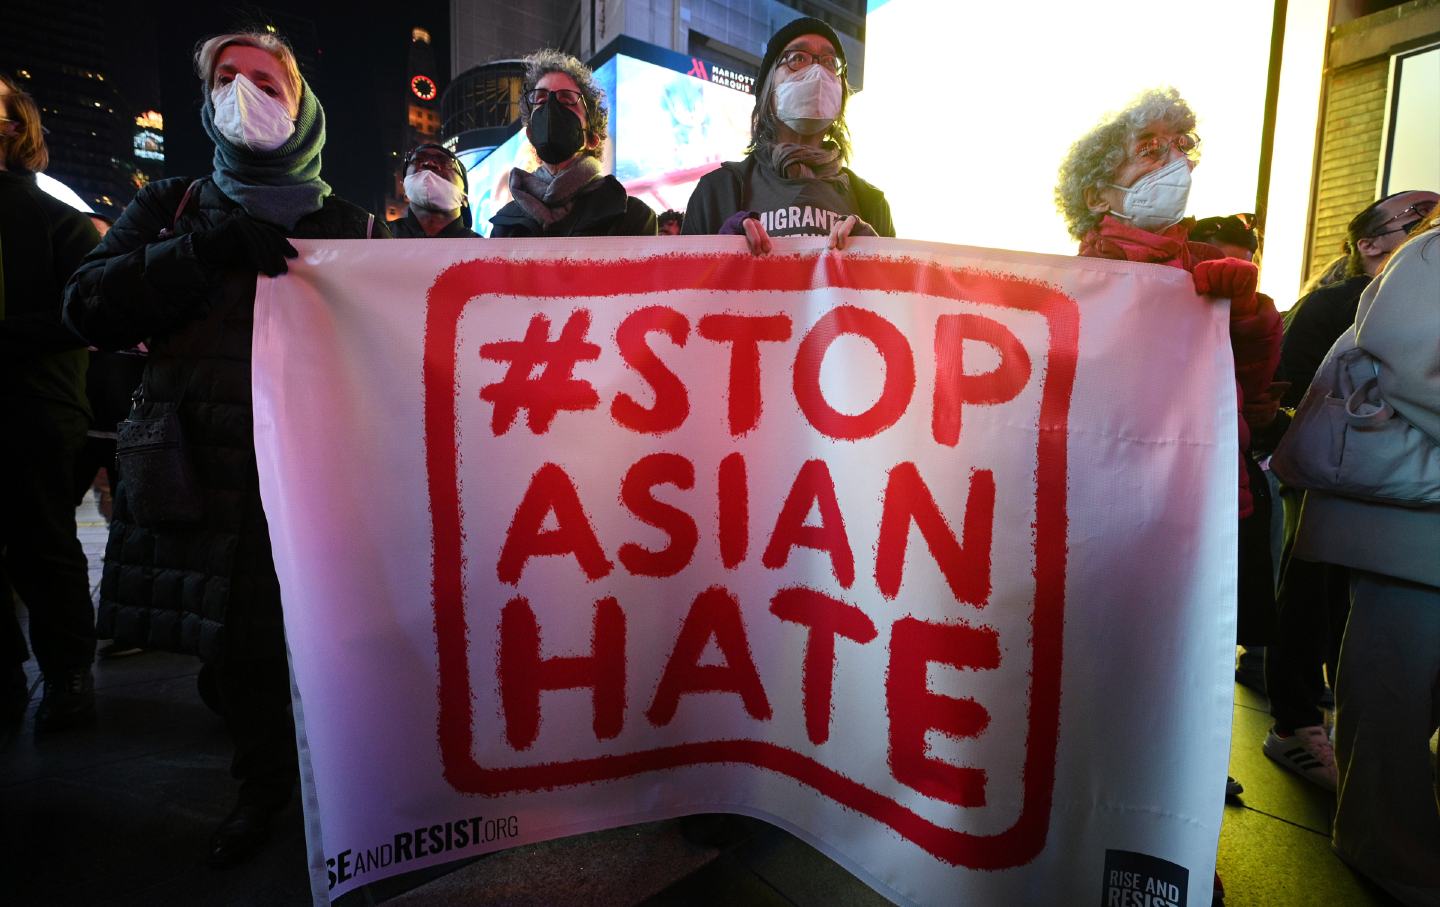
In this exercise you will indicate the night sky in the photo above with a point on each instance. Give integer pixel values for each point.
(360, 54)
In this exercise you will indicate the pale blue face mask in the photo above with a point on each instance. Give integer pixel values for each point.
(1157, 200)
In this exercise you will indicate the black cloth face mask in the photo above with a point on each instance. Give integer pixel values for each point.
(555, 131)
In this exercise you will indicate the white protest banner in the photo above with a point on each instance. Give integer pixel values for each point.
(923, 553)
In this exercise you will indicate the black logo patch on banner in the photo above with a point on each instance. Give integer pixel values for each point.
(1140, 880)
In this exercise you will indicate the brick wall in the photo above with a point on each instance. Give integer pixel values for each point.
(1352, 127)
(1353, 121)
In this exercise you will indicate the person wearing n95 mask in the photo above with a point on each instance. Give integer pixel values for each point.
(1122, 190)
(438, 190)
(180, 271)
(568, 193)
(793, 181)
(247, 115)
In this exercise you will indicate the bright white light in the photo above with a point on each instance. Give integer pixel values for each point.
(63, 192)
(1287, 218)
(969, 108)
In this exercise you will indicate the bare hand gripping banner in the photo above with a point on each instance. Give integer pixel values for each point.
(923, 553)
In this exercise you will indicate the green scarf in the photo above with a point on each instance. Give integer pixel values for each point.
(281, 186)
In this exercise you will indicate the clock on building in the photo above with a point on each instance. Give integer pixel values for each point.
(423, 87)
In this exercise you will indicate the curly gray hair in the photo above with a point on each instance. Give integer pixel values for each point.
(541, 62)
(1093, 160)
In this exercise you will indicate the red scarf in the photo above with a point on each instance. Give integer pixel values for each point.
(1113, 238)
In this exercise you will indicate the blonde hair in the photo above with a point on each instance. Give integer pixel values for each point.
(207, 52)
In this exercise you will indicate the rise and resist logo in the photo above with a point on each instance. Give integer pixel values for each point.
(541, 379)
(1140, 880)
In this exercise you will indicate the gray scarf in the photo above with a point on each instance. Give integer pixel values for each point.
(805, 162)
(549, 197)
(280, 186)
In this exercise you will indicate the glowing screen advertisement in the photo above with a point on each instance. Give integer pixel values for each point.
(969, 108)
(667, 129)
(1411, 161)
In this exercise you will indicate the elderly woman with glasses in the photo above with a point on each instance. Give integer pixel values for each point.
(1123, 189)
(564, 114)
(793, 180)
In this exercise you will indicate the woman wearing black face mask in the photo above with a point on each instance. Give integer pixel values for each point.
(567, 195)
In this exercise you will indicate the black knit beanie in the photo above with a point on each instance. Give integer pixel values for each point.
(805, 25)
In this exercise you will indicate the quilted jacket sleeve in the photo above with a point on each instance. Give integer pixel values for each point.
(1398, 322)
(135, 284)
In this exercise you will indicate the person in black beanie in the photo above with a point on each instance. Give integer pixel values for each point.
(42, 392)
(438, 191)
(1234, 234)
(793, 180)
(179, 270)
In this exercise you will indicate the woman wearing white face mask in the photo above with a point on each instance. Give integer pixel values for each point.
(794, 181)
(1123, 189)
(189, 569)
(437, 189)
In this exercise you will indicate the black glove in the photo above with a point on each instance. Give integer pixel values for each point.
(244, 242)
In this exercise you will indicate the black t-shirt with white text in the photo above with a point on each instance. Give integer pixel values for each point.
(786, 207)
(798, 207)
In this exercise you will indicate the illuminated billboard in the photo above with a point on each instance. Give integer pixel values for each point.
(1410, 161)
(149, 139)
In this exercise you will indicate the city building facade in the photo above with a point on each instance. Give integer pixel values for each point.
(420, 100)
(60, 55)
(1379, 107)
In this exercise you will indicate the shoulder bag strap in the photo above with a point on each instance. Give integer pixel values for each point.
(174, 227)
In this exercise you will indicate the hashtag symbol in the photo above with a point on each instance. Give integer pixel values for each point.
(555, 388)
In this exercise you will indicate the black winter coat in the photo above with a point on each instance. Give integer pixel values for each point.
(604, 211)
(1311, 327)
(42, 241)
(176, 588)
(408, 227)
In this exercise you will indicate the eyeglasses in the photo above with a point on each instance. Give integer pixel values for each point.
(429, 158)
(1420, 211)
(1156, 148)
(796, 60)
(566, 96)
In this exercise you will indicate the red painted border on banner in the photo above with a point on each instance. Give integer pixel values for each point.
(458, 285)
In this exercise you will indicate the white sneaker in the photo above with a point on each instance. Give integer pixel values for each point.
(1307, 753)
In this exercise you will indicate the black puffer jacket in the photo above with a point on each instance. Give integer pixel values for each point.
(176, 588)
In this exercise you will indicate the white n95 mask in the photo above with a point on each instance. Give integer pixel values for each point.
(429, 191)
(810, 103)
(248, 116)
(1157, 200)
